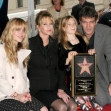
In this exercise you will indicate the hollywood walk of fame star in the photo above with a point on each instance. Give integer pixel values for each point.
(85, 66)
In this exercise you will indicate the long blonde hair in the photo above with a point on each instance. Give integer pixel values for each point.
(63, 36)
(10, 47)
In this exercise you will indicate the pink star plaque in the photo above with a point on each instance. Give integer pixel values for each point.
(85, 66)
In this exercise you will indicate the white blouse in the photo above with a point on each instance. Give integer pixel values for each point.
(13, 78)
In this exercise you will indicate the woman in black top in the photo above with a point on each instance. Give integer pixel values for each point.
(47, 82)
(80, 47)
(71, 42)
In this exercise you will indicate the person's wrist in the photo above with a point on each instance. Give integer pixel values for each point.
(60, 90)
(67, 61)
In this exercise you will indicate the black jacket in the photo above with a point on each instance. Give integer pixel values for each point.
(77, 8)
(43, 71)
(105, 19)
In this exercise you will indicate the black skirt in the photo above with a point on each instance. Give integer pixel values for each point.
(48, 97)
(15, 105)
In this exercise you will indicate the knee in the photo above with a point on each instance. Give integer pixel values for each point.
(73, 107)
(44, 109)
(63, 107)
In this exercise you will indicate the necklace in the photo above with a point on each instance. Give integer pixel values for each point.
(45, 43)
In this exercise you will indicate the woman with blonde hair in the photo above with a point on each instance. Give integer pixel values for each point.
(14, 55)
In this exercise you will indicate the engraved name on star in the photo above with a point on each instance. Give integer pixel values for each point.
(85, 66)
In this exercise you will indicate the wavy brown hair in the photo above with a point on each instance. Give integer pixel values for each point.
(63, 36)
(7, 38)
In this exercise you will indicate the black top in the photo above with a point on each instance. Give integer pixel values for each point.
(43, 71)
(77, 8)
(63, 53)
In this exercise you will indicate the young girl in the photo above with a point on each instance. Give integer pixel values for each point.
(14, 84)
(71, 42)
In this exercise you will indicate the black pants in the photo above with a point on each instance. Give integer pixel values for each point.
(14, 105)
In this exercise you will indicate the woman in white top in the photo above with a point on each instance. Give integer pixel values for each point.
(14, 55)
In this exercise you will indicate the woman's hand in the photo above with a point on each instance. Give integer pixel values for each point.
(70, 54)
(63, 95)
(28, 96)
(91, 51)
(22, 97)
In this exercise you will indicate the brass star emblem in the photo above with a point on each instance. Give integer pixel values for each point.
(85, 66)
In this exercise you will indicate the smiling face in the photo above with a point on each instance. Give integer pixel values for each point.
(46, 27)
(18, 34)
(71, 26)
(88, 24)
